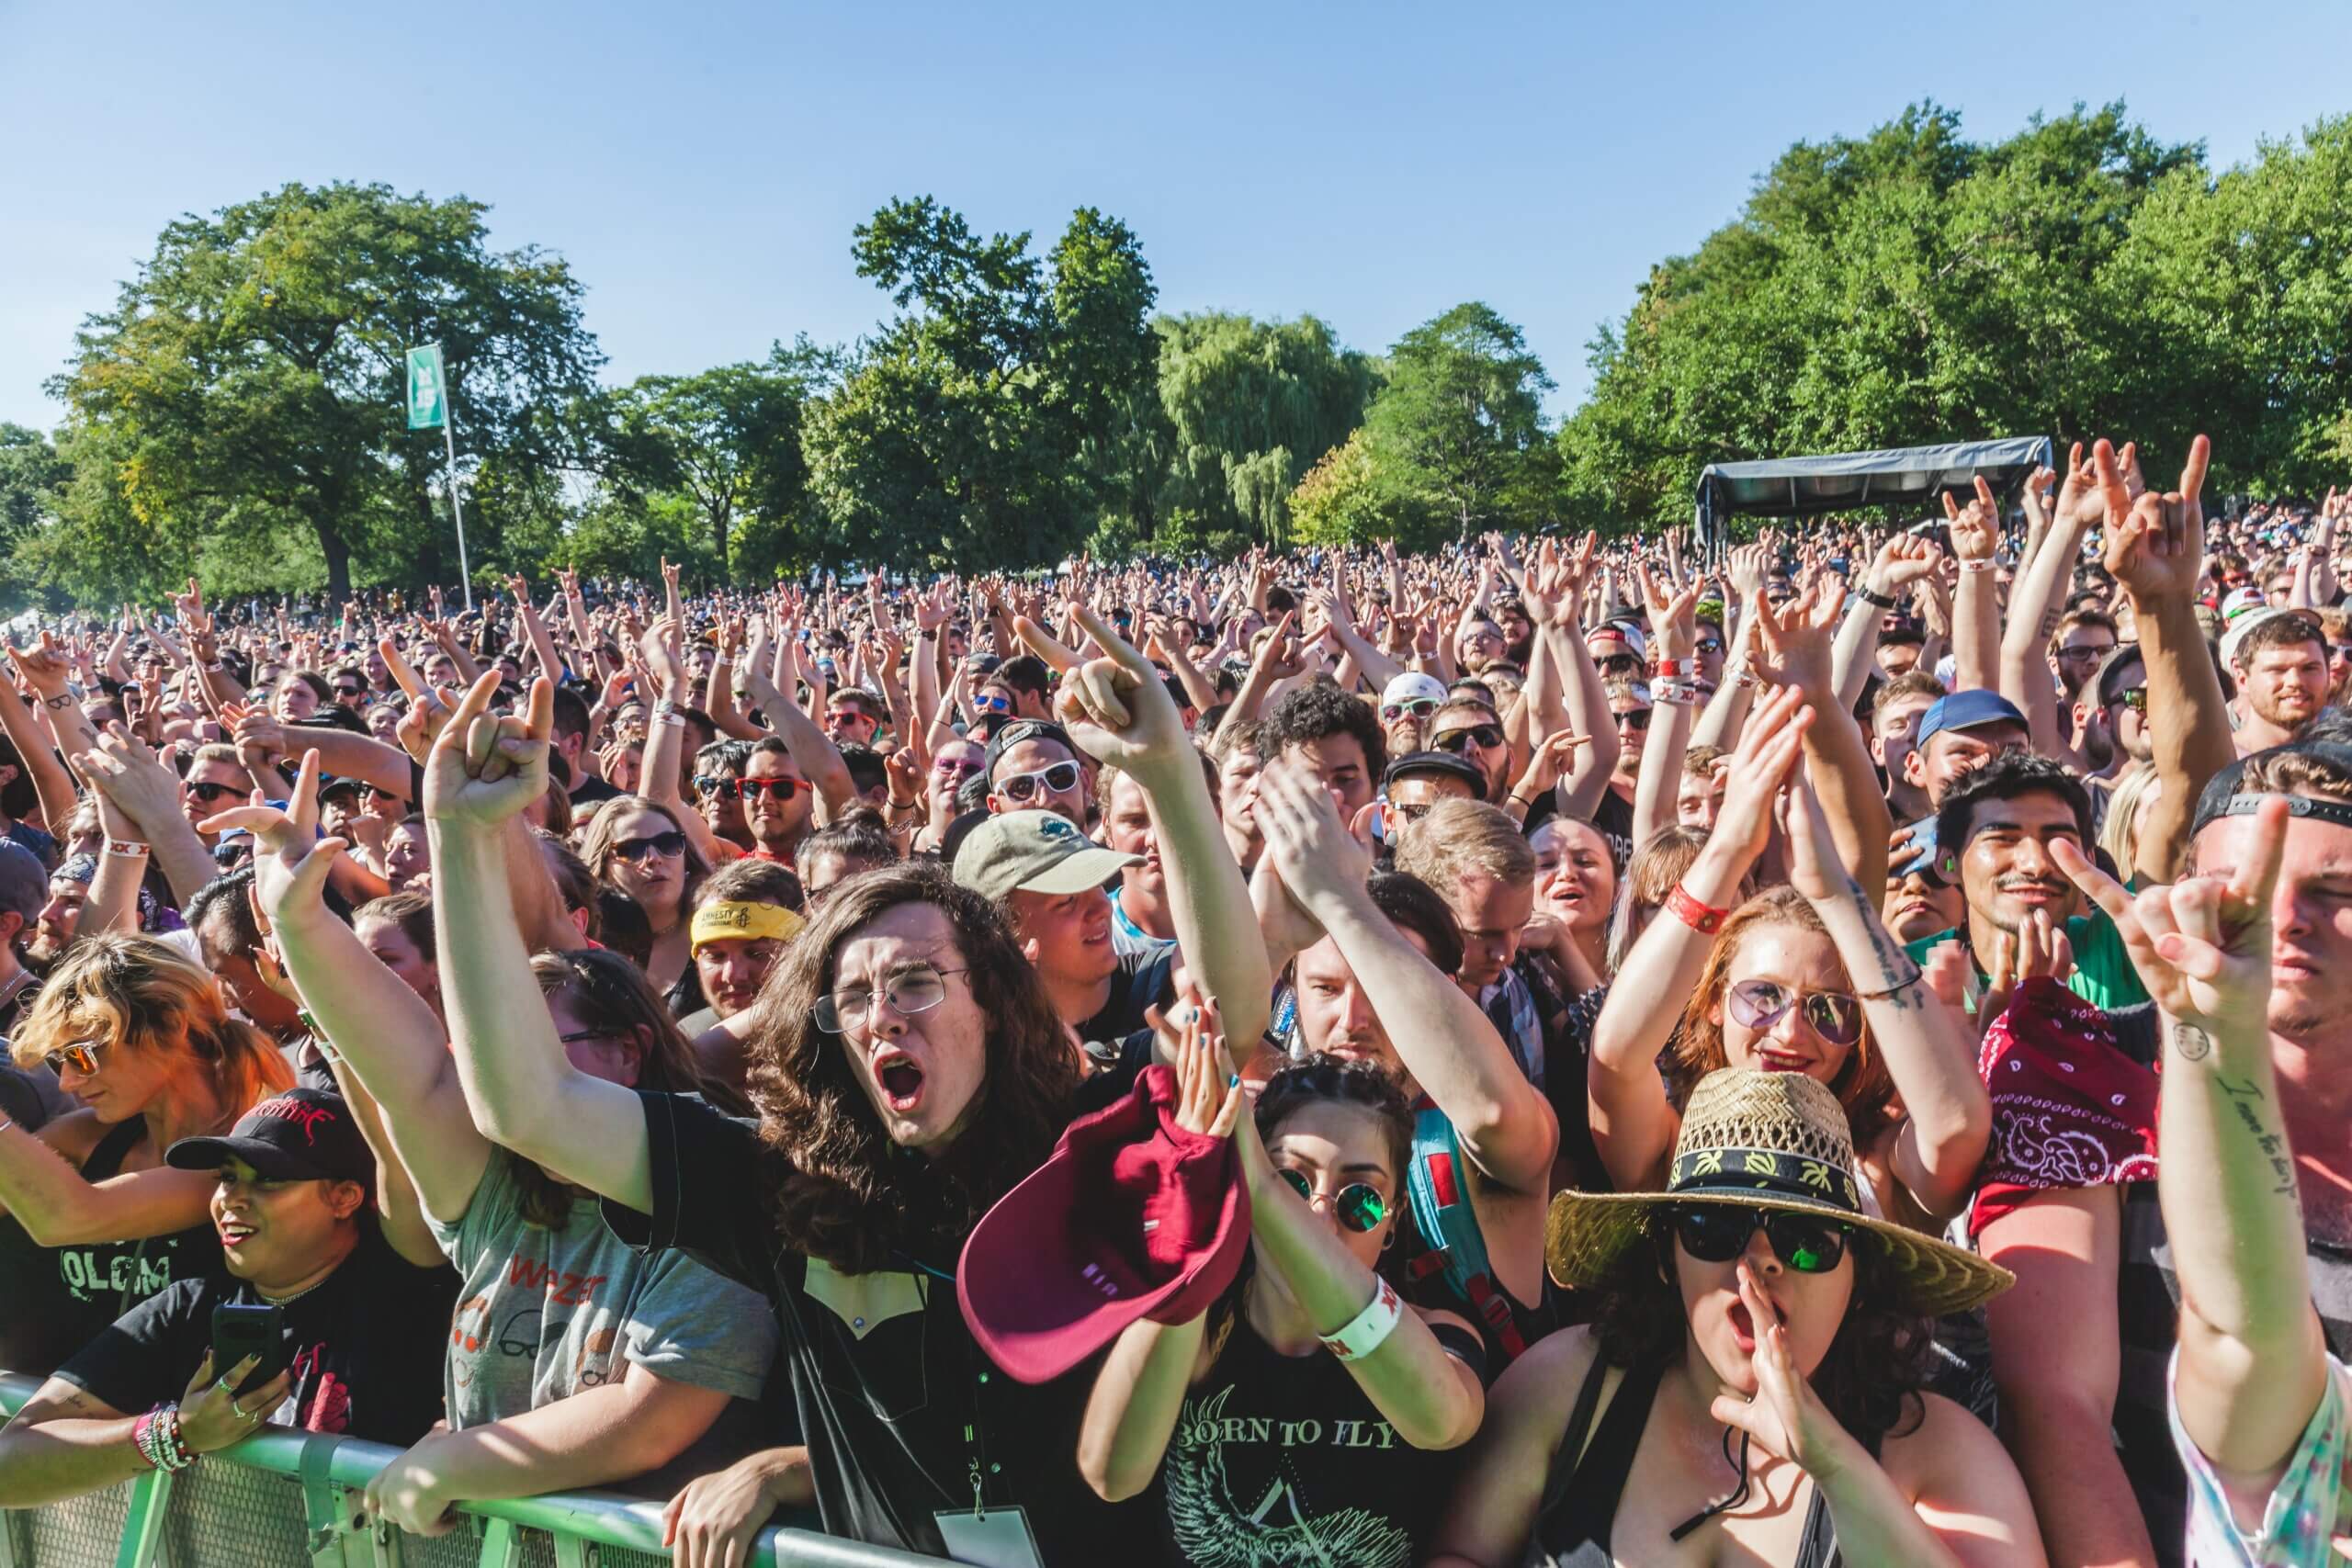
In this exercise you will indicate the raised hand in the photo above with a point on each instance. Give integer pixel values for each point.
(1903, 560)
(2156, 544)
(131, 780)
(1796, 643)
(2201, 944)
(1313, 853)
(291, 861)
(1766, 758)
(1673, 620)
(45, 667)
(1114, 706)
(1976, 528)
(1208, 1091)
(1785, 1416)
(484, 769)
(1814, 868)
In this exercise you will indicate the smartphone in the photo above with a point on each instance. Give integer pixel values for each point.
(239, 1331)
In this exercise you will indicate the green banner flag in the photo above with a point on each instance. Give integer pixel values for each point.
(428, 408)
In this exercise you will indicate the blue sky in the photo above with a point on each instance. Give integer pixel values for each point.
(701, 165)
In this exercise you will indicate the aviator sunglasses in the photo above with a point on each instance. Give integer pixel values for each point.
(1760, 1004)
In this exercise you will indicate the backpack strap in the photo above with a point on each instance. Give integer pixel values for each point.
(1437, 1185)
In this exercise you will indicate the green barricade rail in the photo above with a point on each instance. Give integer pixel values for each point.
(284, 1498)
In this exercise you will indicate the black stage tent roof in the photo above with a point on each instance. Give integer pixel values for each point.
(1911, 476)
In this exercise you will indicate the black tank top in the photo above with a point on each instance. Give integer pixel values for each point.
(59, 1298)
(1579, 1509)
(1284, 1460)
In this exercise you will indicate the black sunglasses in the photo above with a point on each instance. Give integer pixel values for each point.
(1480, 735)
(1359, 1205)
(1621, 664)
(1717, 1232)
(206, 793)
(1633, 718)
(668, 845)
(778, 789)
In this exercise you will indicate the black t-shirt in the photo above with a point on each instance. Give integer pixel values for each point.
(1144, 980)
(1613, 819)
(366, 1346)
(591, 791)
(54, 1300)
(885, 1374)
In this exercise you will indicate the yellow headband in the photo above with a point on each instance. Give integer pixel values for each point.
(731, 923)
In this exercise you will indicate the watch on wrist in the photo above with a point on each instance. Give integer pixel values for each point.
(1870, 596)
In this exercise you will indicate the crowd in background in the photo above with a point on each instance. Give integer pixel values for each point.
(1548, 1053)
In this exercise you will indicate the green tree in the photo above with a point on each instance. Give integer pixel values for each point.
(1461, 422)
(250, 379)
(33, 479)
(954, 436)
(1250, 406)
(1342, 500)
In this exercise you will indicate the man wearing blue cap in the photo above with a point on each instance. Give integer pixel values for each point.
(1964, 730)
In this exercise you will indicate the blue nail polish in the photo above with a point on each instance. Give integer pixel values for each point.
(1233, 1080)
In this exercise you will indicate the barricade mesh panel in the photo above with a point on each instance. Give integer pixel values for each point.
(226, 1515)
(79, 1533)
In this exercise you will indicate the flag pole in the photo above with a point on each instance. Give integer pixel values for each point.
(457, 511)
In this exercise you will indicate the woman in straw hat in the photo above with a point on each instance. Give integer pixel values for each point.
(1752, 1387)
(1802, 978)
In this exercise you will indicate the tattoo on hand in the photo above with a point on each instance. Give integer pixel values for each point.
(2192, 1044)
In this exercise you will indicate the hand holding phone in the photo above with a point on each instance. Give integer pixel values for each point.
(258, 1330)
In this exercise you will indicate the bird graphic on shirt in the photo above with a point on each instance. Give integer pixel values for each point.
(1216, 1530)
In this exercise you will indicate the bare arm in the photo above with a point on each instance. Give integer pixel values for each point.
(523, 1093)
(2056, 1362)
(1977, 616)
(51, 784)
(57, 1207)
(812, 749)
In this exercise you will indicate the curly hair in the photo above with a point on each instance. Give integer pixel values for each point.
(1871, 1377)
(1861, 1085)
(852, 1197)
(1317, 712)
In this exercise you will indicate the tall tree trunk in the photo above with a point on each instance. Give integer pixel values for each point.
(337, 552)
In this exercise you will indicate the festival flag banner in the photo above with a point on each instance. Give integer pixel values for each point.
(427, 402)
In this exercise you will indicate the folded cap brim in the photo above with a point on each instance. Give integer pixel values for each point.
(1086, 868)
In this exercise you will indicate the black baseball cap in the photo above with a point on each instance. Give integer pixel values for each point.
(1021, 729)
(1444, 762)
(303, 1134)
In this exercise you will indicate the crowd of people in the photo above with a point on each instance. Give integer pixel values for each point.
(1544, 1053)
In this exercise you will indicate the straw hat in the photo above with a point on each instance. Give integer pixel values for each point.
(1765, 1141)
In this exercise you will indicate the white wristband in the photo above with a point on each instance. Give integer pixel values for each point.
(131, 849)
(1369, 1328)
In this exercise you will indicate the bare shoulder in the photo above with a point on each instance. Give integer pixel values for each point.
(1543, 1383)
(1944, 1446)
(73, 1134)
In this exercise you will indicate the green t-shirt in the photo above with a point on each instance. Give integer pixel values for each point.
(2103, 974)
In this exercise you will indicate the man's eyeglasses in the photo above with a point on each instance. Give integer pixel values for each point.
(1484, 736)
(1621, 664)
(991, 704)
(2134, 697)
(850, 716)
(949, 766)
(349, 693)
(1633, 718)
(1420, 707)
(1358, 1205)
(712, 786)
(2077, 655)
(82, 1055)
(205, 794)
(777, 789)
(1833, 1015)
(1711, 645)
(913, 991)
(669, 846)
(372, 792)
(1059, 779)
(1717, 1232)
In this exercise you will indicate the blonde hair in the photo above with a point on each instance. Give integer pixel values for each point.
(137, 994)
(2119, 835)
(1457, 836)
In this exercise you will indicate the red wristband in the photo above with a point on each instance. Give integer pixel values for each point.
(1705, 918)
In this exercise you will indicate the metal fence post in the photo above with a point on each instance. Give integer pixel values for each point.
(142, 1525)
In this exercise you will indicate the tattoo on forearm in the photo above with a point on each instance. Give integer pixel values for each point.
(1892, 962)
(2191, 1042)
(2244, 1099)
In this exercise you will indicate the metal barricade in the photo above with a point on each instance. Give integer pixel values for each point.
(282, 1498)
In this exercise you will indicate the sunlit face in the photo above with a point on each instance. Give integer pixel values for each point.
(1919, 904)
(1895, 729)
(734, 968)
(2311, 919)
(407, 855)
(54, 927)
(1237, 788)
(1491, 913)
(211, 787)
(2006, 867)
(393, 949)
(1335, 1015)
(1477, 736)
(1632, 716)
(1897, 659)
(2081, 650)
(1410, 797)
(1699, 797)
(1576, 879)
(1798, 961)
(2286, 685)
(1066, 935)
(1334, 1144)
(1127, 826)
(776, 823)
(384, 722)
(1812, 1307)
(648, 861)
(1480, 644)
(847, 721)
(921, 1072)
(128, 1080)
(1951, 752)
(274, 1232)
(951, 765)
(1029, 759)
(1337, 759)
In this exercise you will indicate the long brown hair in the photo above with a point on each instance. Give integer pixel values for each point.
(137, 994)
(604, 832)
(1861, 1085)
(852, 1197)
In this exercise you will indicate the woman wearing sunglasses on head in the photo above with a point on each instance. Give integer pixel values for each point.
(1752, 1388)
(1301, 1417)
(641, 847)
(92, 1222)
(1803, 979)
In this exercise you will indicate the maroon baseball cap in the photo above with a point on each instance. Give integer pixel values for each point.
(1131, 1217)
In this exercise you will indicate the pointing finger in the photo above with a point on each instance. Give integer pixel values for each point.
(2192, 472)
(1045, 645)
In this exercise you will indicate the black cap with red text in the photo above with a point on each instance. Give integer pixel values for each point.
(303, 1134)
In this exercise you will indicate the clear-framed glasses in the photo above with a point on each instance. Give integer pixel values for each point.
(910, 991)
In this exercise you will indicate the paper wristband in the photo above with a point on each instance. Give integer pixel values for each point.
(1369, 1328)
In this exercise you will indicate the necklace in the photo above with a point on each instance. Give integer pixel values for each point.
(284, 1301)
